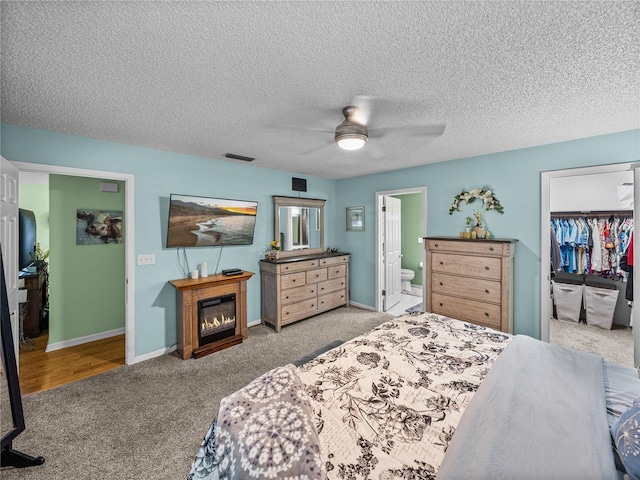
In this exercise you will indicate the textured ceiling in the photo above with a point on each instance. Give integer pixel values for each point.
(269, 79)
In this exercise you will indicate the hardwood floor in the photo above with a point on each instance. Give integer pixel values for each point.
(41, 371)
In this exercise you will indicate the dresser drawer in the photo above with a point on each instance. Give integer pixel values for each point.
(318, 275)
(299, 310)
(482, 247)
(298, 266)
(334, 261)
(480, 313)
(336, 271)
(483, 267)
(298, 294)
(331, 286)
(475, 288)
(331, 300)
(292, 280)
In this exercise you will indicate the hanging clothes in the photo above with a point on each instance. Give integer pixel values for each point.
(590, 244)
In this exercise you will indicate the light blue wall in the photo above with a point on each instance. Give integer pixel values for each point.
(515, 177)
(158, 174)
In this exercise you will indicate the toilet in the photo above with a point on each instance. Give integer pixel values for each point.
(405, 278)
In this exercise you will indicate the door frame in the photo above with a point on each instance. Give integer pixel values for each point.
(129, 238)
(545, 247)
(379, 198)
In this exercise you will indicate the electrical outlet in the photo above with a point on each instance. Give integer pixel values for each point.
(147, 259)
(419, 239)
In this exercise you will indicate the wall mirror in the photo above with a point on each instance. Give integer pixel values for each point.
(299, 225)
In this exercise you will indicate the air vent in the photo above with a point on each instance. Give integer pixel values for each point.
(239, 157)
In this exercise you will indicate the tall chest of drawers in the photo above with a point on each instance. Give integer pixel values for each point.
(471, 280)
(293, 289)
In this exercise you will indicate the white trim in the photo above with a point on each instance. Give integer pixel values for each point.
(129, 240)
(254, 323)
(545, 247)
(379, 237)
(361, 305)
(80, 340)
(157, 353)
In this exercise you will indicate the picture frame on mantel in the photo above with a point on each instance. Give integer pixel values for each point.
(355, 219)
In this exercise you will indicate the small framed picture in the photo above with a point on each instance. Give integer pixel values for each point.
(355, 219)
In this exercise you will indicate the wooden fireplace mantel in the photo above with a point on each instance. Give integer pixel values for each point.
(189, 292)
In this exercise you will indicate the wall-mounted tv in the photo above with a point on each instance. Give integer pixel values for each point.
(210, 222)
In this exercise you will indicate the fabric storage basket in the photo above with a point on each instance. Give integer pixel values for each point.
(600, 304)
(568, 300)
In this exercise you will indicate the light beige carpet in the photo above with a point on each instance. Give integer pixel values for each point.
(615, 345)
(146, 421)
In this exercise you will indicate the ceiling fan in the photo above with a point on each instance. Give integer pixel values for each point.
(353, 133)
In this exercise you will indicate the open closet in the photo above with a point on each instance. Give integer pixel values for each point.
(591, 227)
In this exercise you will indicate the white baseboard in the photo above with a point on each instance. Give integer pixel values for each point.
(157, 353)
(80, 340)
(361, 305)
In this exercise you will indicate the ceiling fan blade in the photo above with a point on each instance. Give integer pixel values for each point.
(365, 107)
(429, 131)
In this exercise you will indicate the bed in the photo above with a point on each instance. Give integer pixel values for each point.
(425, 396)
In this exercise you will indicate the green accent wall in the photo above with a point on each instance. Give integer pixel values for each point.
(87, 282)
(411, 214)
(35, 197)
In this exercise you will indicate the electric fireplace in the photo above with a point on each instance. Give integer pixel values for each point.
(216, 318)
(211, 313)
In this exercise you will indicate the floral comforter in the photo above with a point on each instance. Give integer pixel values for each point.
(383, 405)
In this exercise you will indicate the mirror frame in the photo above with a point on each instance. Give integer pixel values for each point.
(278, 202)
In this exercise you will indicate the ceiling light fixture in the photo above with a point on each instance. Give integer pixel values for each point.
(351, 135)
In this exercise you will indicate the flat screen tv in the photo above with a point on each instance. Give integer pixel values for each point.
(210, 222)
(26, 238)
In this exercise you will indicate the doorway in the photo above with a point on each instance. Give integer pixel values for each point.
(413, 223)
(576, 332)
(129, 239)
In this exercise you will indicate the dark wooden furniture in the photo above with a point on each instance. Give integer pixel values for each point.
(189, 292)
(36, 296)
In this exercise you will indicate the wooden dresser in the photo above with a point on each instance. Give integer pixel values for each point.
(299, 287)
(471, 280)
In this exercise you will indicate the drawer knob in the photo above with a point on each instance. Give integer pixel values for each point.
(491, 249)
(441, 304)
(341, 283)
(312, 305)
(441, 283)
(435, 244)
(321, 288)
(441, 263)
(486, 268)
(287, 297)
(313, 291)
(486, 291)
(293, 281)
(486, 314)
(317, 275)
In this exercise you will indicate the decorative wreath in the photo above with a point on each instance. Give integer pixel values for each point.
(485, 194)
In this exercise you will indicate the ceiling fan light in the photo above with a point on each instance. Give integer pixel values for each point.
(353, 141)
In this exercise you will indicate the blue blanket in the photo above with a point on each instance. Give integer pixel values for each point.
(540, 413)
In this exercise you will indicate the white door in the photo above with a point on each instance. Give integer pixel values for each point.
(9, 240)
(392, 252)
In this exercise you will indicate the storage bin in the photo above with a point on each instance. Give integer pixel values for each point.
(568, 300)
(600, 304)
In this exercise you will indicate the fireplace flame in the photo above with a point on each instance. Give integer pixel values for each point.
(214, 322)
